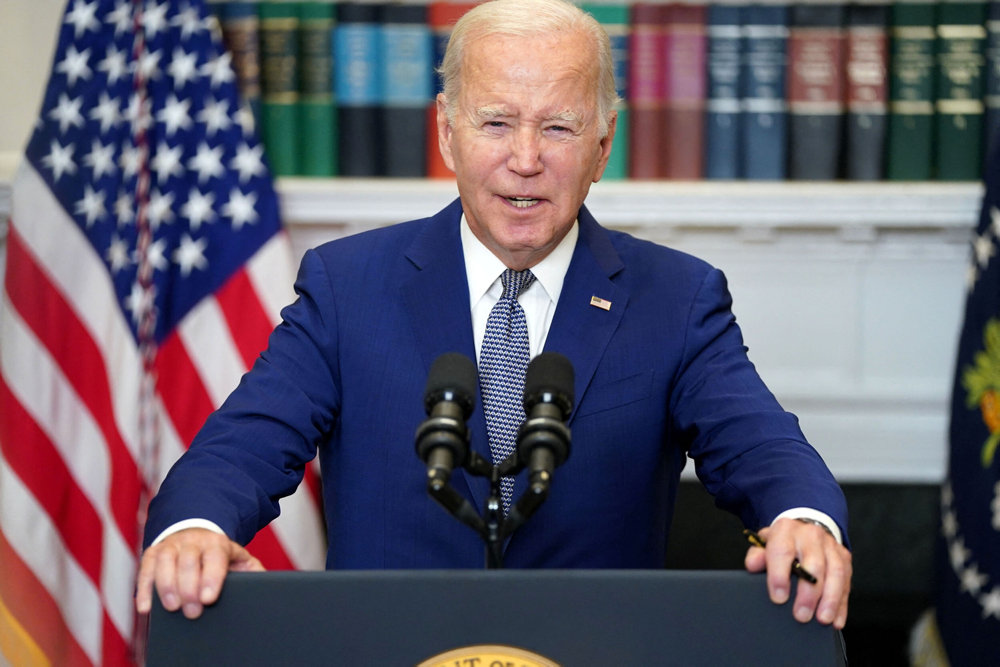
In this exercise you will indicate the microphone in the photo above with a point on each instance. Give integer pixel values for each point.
(543, 439)
(442, 440)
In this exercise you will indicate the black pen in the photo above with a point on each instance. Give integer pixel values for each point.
(797, 569)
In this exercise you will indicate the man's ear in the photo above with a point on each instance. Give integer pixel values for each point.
(605, 145)
(444, 131)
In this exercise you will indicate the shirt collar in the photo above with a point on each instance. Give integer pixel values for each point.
(482, 267)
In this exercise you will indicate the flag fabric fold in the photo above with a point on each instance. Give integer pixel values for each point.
(968, 546)
(146, 266)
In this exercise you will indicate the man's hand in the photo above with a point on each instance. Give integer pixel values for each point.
(188, 569)
(820, 554)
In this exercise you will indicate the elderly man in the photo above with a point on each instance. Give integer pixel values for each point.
(527, 123)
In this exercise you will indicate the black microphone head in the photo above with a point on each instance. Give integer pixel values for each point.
(452, 378)
(549, 379)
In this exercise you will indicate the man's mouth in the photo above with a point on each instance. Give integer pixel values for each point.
(522, 202)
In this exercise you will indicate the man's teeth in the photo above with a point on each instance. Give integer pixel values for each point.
(521, 202)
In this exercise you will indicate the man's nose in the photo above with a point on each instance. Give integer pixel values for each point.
(525, 151)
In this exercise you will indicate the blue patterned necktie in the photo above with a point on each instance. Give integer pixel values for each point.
(502, 365)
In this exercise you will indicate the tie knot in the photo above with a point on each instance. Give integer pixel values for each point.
(515, 282)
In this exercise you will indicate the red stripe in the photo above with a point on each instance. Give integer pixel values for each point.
(266, 547)
(30, 453)
(180, 388)
(248, 322)
(115, 650)
(36, 610)
(54, 323)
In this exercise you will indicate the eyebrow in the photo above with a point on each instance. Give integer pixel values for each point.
(487, 112)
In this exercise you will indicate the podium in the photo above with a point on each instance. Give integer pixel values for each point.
(499, 618)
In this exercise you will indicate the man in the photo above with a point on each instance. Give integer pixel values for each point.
(527, 123)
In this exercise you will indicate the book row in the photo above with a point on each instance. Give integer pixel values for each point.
(867, 91)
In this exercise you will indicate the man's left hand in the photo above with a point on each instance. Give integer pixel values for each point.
(820, 554)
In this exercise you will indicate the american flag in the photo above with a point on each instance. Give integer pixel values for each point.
(146, 265)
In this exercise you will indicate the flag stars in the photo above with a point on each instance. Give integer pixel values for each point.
(991, 603)
(59, 160)
(984, 249)
(82, 17)
(117, 254)
(140, 301)
(188, 20)
(175, 115)
(125, 208)
(167, 162)
(120, 17)
(91, 207)
(958, 554)
(190, 255)
(148, 65)
(67, 113)
(199, 208)
(248, 162)
(160, 208)
(74, 65)
(215, 116)
(207, 162)
(183, 67)
(154, 19)
(973, 580)
(114, 65)
(241, 208)
(219, 70)
(106, 112)
(100, 159)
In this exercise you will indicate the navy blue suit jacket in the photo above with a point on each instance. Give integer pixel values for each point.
(661, 375)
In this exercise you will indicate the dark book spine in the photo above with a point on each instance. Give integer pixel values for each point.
(615, 19)
(815, 90)
(911, 91)
(407, 88)
(645, 84)
(683, 152)
(317, 117)
(240, 26)
(867, 91)
(765, 109)
(961, 43)
(279, 54)
(357, 89)
(722, 106)
(991, 93)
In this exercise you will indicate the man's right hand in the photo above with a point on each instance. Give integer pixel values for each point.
(188, 568)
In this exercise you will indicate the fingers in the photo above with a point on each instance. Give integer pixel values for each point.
(821, 555)
(188, 569)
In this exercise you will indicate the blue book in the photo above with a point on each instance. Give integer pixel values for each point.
(723, 117)
(407, 61)
(765, 109)
(358, 91)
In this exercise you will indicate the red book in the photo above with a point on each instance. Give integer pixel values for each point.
(441, 16)
(684, 88)
(646, 80)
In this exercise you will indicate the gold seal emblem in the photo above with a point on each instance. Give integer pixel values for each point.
(488, 655)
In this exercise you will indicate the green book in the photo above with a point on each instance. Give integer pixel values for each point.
(279, 77)
(961, 47)
(911, 91)
(614, 16)
(317, 135)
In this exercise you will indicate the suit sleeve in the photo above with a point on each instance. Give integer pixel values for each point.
(253, 450)
(749, 453)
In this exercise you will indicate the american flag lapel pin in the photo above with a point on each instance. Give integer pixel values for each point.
(600, 303)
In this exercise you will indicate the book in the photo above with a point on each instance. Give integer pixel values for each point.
(279, 77)
(615, 19)
(240, 25)
(765, 110)
(867, 91)
(816, 86)
(441, 15)
(407, 55)
(961, 38)
(991, 84)
(646, 79)
(683, 149)
(911, 90)
(722, 106)
(317, 140)
(357, 88)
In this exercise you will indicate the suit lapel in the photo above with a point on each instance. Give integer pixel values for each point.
(582, 328)
(436, 296)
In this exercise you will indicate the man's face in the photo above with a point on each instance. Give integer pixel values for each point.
(525, 144)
